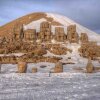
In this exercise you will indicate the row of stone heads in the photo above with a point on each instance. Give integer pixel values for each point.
(45, 33)
(46, 27)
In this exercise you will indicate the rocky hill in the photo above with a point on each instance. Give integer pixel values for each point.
(32, 21)
(48, 35)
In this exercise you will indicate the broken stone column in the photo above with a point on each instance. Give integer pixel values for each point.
(22, 67)
(58, 67)
(89, 67)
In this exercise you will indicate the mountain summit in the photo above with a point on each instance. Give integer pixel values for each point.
(48, 35)
(32, 21)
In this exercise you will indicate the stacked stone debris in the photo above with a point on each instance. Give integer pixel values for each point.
(59, 50)
(4, 59)
(47, 59)
(60, 34)
(45, 31)
(90, 49)
(3, 40)
(39, 51)
(30, 35)
(2, 51)
(89, 67)
(8, 59)
(49, 46)
(29, 58)
(84, 38)
(12, 59)
(58, 67)
(72, 35)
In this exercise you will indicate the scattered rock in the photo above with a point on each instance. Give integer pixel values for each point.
(89, 67)
(34, 70)
(43, 66)
(58, 67)
(22, 67)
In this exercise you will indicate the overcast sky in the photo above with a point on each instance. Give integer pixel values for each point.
(85, 12)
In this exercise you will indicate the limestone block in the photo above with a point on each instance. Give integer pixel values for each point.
(89, 67)
(30, 35)
(71, 28)
(58, 67)
(84, 37)
(34, 70)
(22, 67)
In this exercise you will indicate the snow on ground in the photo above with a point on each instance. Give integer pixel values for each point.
(69, 85)
(42, 87)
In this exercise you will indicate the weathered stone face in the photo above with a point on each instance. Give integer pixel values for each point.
(60, 34)
(39, 51)
(45, 34)
(84, 38)
(72, 35)
(71, 28)
(45, 31)
(34, 70)
(18, 32)
(58, 67)
(89, 67)
(22, 67)
(30, 35)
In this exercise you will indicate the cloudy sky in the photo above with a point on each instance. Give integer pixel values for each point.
(85, 12)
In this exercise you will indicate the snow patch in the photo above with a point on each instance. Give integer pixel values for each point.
(34, 25)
